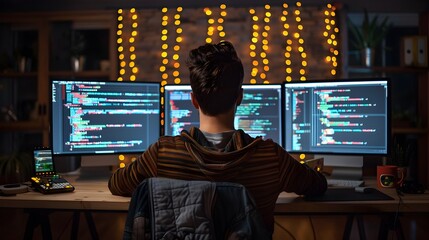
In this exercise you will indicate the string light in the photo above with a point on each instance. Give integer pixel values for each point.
(170, 64)
(288, 48)
(260, 45)
(119, 41)
(217, 25)
(210, 25)
(134, 33)
(254, 41)
(221, 20)
(165, 47)
(176, 64)
(331, 35)
(265, 44)
(298, 36)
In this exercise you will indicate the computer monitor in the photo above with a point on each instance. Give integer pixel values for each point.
(259, 114)
(348, 117)
(92, 117)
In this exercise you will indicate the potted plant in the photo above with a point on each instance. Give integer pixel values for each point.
(15, 168)
(78, 44)
(368, 36)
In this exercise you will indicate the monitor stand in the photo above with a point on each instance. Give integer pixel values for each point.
(97, 167)
(343, 166)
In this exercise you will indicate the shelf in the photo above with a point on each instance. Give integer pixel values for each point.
(18, 74)
(388, 69)
(83, 74)
(35, 126)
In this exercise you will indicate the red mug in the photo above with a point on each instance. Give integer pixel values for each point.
(389, 176)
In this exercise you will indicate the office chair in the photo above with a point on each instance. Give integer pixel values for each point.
(164, 208)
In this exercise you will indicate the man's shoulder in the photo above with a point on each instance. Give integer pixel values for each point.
(170, 138)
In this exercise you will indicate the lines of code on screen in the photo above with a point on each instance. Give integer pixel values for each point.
(337, 118)
(259, 113)
(104, 117)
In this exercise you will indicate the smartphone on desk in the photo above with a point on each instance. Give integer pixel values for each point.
(45, 179)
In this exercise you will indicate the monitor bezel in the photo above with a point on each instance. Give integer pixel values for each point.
(104, 153)
(345, 80)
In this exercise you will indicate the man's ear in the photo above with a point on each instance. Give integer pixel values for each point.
(240, 97)
(194, 101)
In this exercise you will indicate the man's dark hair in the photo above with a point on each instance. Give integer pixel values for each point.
(216, 76)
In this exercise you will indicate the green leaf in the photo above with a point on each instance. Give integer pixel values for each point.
(370, 33)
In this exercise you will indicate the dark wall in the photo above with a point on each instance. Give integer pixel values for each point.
(350, 5)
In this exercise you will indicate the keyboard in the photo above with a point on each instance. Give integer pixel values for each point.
(345, 183)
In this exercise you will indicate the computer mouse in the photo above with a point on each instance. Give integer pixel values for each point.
(363, 189)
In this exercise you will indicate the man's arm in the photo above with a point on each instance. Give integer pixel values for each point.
(125, 180)
(299, 178)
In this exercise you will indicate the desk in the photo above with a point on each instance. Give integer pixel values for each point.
(89, 196)
(94, 195)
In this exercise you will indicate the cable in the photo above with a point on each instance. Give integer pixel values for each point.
(312, 227)
(284, 229)
(395, 221)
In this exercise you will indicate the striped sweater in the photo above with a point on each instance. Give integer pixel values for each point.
(262, 166)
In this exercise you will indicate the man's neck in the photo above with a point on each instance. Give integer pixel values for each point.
(217, 124)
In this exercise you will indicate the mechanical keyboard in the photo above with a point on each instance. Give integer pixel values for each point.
(345, 183)
(51, 184)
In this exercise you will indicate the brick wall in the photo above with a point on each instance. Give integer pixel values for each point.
(238, 29)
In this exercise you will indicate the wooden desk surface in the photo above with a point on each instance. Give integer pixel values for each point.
(88, 195)
(95, 195)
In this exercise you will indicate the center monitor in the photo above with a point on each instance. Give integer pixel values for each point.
(259, 113)
(338, 117)
(91, 117)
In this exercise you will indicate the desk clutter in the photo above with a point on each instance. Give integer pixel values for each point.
(12, 189)
(51, 184)
(46, 180)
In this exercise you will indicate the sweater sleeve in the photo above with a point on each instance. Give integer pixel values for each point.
(299, 178)
(125, 180)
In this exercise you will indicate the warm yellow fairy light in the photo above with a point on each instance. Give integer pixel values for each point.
(119, 33)
(265, 42)
(254, 40)
(176, 48)
(331, 35)
(210, 27)
(288, 47)
(297, 35)
(164, 46)
(220, 21)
